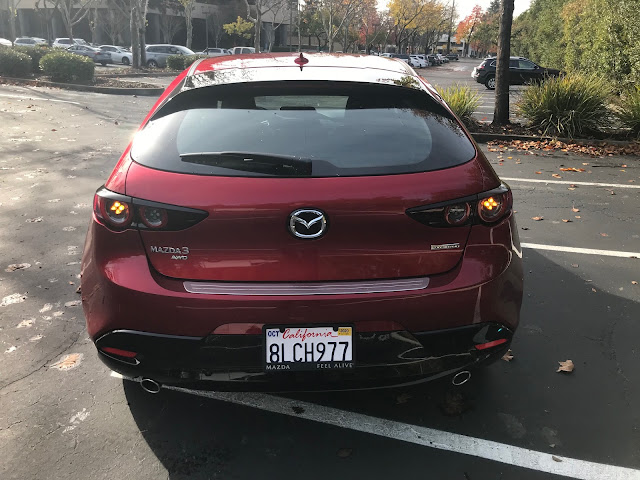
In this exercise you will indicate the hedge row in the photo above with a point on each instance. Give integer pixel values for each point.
(181, 62)
(64, 66)
(14, 63)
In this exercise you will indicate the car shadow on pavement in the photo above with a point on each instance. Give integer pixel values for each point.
(588, 414)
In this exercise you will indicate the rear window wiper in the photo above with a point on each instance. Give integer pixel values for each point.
(270, 164)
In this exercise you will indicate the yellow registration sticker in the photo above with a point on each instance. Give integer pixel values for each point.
(344, 331)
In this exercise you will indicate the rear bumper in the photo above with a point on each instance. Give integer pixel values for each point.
(122, 292)
(234, 362)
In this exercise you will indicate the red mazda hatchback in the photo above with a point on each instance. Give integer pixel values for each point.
(282, 222)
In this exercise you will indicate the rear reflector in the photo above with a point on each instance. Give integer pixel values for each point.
(118, 352)
(495, 343)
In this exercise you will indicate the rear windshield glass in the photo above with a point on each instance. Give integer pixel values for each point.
(302, 129)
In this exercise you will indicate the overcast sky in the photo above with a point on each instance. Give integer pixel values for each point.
(464, 7)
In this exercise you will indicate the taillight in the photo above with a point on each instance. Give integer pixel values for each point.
(119, 212)
(485, 208)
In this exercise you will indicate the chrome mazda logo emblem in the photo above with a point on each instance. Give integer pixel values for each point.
(307, 223)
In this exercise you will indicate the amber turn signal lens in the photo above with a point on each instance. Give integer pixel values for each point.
(490, 209)
(118, 213)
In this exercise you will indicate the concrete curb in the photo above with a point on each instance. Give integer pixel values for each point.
(488, 137)
(149, 92)
(141, 74)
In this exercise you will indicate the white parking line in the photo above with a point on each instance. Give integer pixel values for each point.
(427, 437)
(25, 97)
(586, 251)
(568, 182)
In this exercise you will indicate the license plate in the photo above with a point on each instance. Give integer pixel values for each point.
(308, 348)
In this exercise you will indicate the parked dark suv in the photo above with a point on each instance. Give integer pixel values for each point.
(521, 71)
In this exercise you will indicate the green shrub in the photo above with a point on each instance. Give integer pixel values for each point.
(67, 67)
(629, 110)
(462, 100)
(180, 62)
(567, 106)
(14, 64)
(36, 53)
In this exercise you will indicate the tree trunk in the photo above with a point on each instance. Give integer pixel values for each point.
(188, 14)
(258, 28)
(142, 34)
(135, 41)
(501, 112)
(12, 20)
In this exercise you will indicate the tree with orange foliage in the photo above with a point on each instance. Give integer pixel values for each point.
(468, 25)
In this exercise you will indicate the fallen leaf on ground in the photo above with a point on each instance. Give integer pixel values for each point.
(79, 290)
(571, 188)
(574, 209)
(538, 173)
(68, 362)
(556, 459)
(33, 220)
(566, 220)
(594, 290)
(525, 228)
(611, 192)
(575, 265)
(403, 398)
(555, 175)
(572, 169)
(633, 282)
(604, 234)
(566, 366)
(345, 452)
(623, 166)
(537, 219)
(578, 216)
(73, 303)
(17, 266)
(507, 357)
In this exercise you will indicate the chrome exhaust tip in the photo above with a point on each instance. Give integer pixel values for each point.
(150, 386)
(461, 378)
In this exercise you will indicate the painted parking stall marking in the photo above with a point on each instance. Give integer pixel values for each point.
(427, 437)
(567, 182)
(586, 251)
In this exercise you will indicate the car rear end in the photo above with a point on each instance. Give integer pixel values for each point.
(479, 72)
(292, 229)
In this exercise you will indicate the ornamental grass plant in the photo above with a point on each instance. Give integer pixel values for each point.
(568, 106)
(462, 100)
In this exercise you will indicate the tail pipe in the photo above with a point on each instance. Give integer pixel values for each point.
(461, 378)
(150, 386)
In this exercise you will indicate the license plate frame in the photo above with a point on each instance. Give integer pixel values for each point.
(293, 366)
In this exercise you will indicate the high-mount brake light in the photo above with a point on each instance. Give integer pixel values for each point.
(119, 212)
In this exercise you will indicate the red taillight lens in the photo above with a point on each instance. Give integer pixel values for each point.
(495, 343)
(119, 212)
(154, 217)
(119, 352)
(487, 207)
(457, 214)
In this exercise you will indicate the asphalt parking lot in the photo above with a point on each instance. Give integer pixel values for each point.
(520, 419)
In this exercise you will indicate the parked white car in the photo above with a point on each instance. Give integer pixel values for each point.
(241, 50)
(5, 43)
(118, 54)
(67, 42)
(214, 52)
(28, 41)
(418, 61)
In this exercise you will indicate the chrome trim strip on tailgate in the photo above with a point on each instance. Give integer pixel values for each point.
(316, 288)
